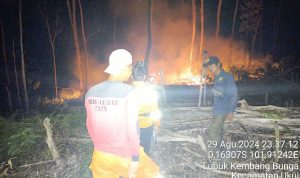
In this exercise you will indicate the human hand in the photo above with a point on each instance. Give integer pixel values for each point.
(133, 167)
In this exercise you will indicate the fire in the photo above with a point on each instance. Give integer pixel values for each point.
(171, 29)
(254, 73)
(186, 78)
(70, 93)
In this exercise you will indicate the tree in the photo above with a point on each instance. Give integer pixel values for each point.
(7, 87)
(16, 74)
(149, 44)
(232, 31)
(202, 27)
(52, 33)
(22, 60)
(251, 11)
(197, 35)
(71, 4)
(254, 37)
(276, 23)
(85, 55)
(193, 33)
(218, 19)
(202, 92)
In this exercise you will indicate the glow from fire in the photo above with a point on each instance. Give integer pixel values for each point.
(171, 30)
(186, 78)
(172, 36)
(70, 93)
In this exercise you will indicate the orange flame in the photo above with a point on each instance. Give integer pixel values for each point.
(172, 35)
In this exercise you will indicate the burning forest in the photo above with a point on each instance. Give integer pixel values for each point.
(222, 79)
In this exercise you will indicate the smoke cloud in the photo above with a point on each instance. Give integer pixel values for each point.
(172, 35)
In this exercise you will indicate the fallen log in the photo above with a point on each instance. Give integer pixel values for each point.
(47, 161)
(51, 145)
(178, 137)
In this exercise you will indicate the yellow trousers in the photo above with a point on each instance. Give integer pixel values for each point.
(106, 165)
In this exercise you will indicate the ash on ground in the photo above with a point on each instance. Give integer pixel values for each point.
(179, 153)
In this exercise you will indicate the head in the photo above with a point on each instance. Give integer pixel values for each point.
(139, 71)
(120, 65)
(214, 64)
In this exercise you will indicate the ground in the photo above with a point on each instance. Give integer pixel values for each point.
(179, 153)
(249, 139)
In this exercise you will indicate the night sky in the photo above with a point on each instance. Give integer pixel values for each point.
(130, 19)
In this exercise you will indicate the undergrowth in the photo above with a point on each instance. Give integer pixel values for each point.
(23, 139)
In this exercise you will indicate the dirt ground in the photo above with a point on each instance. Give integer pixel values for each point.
(250, 141)
(179, 154)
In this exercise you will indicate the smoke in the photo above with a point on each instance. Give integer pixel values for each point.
(171, 32)
(94, 70)
(172, 35)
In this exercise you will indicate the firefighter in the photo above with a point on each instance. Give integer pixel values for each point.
(149, 113)
(112, 124)
(225, 98)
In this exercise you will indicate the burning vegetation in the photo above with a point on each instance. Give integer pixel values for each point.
(70, 93)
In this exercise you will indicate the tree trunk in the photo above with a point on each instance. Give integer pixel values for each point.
(149, 44)
(276, 26)
(85, 56)
(52, 44)
(193, 33)
(254, 40)
(73, 22)
(54, 69)
(246, 48)
(22, 60)
(202, 92)
(260, 37)
(51, 145)
(6, 69)
(218, 20)
(232, 32)
(16, 74)
(202, 30)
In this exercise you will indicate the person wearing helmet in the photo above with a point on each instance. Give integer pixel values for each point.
(112, 123)
(225, 98)
(149, 113)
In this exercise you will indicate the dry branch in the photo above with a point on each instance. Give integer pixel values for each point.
(198, 141)
(70, 159)
(74, 139)
(38, 163)
(49, 141)
(176, 137)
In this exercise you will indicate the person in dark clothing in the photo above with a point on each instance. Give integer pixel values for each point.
(225, 98)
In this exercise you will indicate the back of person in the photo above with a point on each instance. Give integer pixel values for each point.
(112, 123)
(106, 105)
